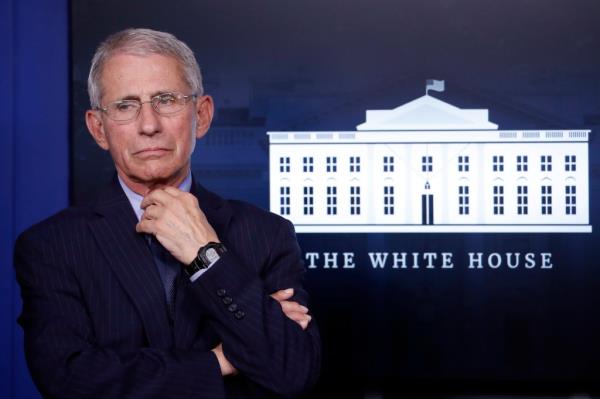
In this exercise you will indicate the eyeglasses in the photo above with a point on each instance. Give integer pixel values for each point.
(163, 104)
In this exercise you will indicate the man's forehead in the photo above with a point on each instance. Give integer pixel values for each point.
(133, 75)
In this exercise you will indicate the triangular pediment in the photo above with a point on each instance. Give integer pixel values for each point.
(427, 113)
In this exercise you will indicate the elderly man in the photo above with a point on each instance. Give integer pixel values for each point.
(160, 288)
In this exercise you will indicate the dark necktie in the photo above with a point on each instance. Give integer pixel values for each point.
(168, 268)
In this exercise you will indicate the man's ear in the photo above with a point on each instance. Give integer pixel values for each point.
(205, 110)
(96, 128)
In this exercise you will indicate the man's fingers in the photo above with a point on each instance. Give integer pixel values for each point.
(292, 310)
(145, 226)
(290, 306)
(300, 318)
(153, 211)
(304, 324)
(159, 196)
(173, 191)
(185, 197)
(282, 295)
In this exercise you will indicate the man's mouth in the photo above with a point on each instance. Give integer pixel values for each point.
(151, 152)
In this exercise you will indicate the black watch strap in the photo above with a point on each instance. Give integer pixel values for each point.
(207, 255)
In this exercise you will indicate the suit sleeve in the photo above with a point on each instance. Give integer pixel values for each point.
(63, 356)
(258, 339)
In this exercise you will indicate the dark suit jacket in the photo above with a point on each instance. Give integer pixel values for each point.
(95, 316)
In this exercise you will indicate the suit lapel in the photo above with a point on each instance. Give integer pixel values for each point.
(130, 259)
(189, 318)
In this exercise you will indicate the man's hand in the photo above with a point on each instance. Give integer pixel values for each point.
(226, 367)
(292, 310)
(176, 220)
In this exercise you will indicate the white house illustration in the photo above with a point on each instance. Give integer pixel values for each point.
(428, 166)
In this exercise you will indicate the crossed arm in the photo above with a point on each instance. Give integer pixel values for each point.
(293, 310)
(175, 218)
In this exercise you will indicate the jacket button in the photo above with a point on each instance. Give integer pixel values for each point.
(221, 292)
(233, 307)
(227, 300)
(239, 314)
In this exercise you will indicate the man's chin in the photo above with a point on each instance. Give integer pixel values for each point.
(156, 179)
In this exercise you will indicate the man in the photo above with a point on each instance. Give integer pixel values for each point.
(160, 288)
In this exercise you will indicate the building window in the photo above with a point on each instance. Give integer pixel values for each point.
(388, 200)
(570, 200)
(332, 200)
(521, 163)
(308, 200)
(354, 164)
(546, 200)
(498, 200)
(284, 200)
(546, 163)
(498, 163)
(427, 163)
(355, 200)
(522, 200)
(388, 164)
(463, 163)
(284, 164)
(307, 164)
(331, 164)
(463, 200)
(570, 165)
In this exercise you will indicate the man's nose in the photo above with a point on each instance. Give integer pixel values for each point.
(148, 119)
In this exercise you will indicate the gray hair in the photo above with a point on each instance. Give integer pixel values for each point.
(143, 42)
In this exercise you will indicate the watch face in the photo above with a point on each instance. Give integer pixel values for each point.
(212, 255)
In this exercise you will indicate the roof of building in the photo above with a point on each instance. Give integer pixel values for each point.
(427, 113)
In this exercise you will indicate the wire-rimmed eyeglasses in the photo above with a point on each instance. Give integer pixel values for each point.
(163, 104)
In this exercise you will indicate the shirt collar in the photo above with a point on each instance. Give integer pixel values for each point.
(136, 200)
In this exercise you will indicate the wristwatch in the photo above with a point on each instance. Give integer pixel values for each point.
(207, 255)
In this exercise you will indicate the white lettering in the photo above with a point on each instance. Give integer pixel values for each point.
(311, 257)
(431, 260)
(546, 257)
(399, 260)
(430, 256)
(447, 260)
(498, 262)
(415, 260)
(473, 260)
(330, 260)
(508, 258)
(378, 260)
(349, 260)
(530, 260)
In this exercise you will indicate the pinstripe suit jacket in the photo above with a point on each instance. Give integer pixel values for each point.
(95, 317)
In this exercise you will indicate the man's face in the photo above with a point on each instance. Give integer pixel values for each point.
(152, 149)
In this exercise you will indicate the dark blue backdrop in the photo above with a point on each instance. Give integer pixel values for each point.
(34, 123)
(318, 65)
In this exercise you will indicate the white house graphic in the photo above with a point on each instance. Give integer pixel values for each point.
(428, 166)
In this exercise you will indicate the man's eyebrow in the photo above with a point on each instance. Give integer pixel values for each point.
(154, 94)
(129, 97)
(159, 92)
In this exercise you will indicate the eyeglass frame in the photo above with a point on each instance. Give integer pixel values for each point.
(178, 95)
